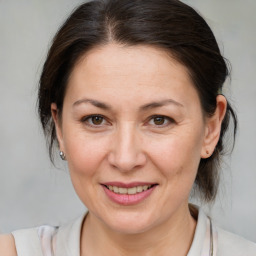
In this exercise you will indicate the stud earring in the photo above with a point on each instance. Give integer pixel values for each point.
(62, 155)
(207, 152)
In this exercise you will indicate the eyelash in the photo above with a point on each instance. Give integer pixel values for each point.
(166, 118)
(86, 118)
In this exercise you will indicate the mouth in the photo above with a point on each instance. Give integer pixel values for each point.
(128, 194)
(129, 191)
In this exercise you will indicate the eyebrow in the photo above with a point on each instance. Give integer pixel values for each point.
(161, 103)
(151, 105)
(95, 103)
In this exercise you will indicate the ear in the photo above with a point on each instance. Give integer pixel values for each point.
(57, 122)
(213, 127)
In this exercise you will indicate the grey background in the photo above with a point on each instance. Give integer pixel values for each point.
(33, 192)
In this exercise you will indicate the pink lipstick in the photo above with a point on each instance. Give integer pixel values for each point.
(128, 193)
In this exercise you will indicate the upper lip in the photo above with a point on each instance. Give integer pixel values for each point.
(128, 185)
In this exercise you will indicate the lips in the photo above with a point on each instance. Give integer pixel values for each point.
(127, 185)
(128, 194)
(129, 191)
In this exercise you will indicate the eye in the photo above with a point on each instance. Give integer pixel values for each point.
(160, 121)
(94, 120)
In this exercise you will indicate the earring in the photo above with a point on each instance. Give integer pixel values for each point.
(62, 155)
(207, 152)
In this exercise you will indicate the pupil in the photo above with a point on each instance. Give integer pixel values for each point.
(159, 120)
(97, 120)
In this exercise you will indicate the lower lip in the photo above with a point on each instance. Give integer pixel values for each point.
(124, 199)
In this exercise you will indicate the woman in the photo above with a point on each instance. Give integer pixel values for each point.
(131, 95)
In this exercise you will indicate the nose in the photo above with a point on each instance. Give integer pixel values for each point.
(126, 152)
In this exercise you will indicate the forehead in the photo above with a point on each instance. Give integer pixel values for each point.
(121, 60)
(129, 71)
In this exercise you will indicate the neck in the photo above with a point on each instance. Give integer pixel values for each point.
(172, 237)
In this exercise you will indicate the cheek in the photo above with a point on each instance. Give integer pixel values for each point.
(85, 153)
(85, 156)
(177, 158)
(177, 155)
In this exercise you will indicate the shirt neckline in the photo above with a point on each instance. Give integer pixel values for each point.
(68, 237)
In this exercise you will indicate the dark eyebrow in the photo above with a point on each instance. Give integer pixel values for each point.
(145, 107)
(158, 104)
(95, 103)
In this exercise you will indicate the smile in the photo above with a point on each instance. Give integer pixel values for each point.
(129, 191)
(128, 194)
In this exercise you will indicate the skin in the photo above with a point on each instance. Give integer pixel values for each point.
(7, 245)
(129, 145)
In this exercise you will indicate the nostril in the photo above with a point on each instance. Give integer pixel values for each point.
(126, 162)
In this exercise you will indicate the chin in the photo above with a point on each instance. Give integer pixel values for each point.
(129, 223)
(128, 228)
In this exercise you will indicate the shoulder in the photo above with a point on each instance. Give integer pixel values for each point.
(31, 241)
(231, 244)
(7, 245)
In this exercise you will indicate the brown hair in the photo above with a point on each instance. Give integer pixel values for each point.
(168, 24)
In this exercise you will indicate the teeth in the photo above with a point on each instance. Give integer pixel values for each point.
(129, 191)
(132, 191)
(122, 190)
(145, 187)
(139, 189)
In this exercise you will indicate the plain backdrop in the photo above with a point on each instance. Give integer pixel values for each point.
(33, 192)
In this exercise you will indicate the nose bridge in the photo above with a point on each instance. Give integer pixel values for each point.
(126, 150)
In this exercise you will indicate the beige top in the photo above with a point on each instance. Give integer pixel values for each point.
(65, 240)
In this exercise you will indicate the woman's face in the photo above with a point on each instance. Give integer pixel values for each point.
(132, 123)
